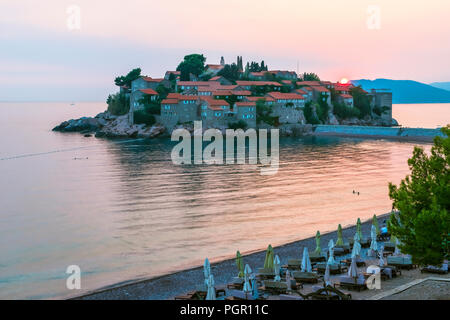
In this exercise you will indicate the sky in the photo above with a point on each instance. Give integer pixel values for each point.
(58, 50)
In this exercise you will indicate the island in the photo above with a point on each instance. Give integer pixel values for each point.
(232, 96)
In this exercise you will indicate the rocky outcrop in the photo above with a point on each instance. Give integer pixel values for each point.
(106, 125)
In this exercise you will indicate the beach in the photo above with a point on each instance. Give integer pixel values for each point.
(170, 285)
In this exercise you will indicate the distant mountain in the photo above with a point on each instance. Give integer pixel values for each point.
(407, 91)
(441, 85)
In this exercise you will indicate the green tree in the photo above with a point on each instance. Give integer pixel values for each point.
(309, 77)
(230, 72)
(309, 113)
(192, 63)
(264, 114)
(118, 104)
(422, 223)
(361, 101)
(126, 80)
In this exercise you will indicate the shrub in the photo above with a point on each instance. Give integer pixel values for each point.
(142, 117)
(118, 104)
(310, 117)
(241, 124)
(344, 112)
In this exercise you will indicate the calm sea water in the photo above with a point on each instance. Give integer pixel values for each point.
(121, 210)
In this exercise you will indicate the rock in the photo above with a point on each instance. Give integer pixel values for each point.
(79, 125)
(332, 119)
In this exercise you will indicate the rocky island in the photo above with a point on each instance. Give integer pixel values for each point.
(232, 96)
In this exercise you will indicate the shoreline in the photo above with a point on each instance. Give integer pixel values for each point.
(169, 285)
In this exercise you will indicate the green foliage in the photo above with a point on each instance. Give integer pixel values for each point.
(309, 77)
(230, 72)
(241, 124)
(193, 63)
(256, 67)
(142, 117)
(239, 63)
(345, 112)
(322, 109)
(361, 101)
(118, 104)
(309, 114)
(264, 114)
(126, 80)
(423, 200)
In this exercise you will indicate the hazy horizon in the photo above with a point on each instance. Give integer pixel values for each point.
(44, 58)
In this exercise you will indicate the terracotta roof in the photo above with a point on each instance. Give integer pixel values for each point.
(173, 95)
(215, 78)
(285, 96)
(222, 93)
(320, 89)
(308, 83)
(346, 96)
(258, 83)
(169, 101)
(300, 91)
(245, 104)
(241, 93)
(150, 79)
(340, 87)
(193, 83)
(182, 97)
(149, 91)
(258, 74)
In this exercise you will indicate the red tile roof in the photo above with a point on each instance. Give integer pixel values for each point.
(222, 93)
(150, 79)
(169, 101)
(245, 104)
(346, 96)
(300, 91)
(320, 89)
(258, 83)
(241, 93)
(285, 96)
(214, 66)
(308, 83)
(149, 91)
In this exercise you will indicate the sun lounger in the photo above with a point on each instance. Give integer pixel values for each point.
(334, 268)
(359, 262)
(237, 283)
(316, 257)
(305, 277)
(275, 287)
(350, 283)
(294, 264)
(192, 295)
(290, 297)
(433, 269)
(265, 273)
(239, 295)
(364, 242)
(401, 262)
(327, 293)
(341, 250)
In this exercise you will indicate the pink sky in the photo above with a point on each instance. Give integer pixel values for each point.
(330, 38)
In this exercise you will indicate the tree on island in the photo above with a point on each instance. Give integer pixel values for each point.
(192, 64)
(361, 101)
(309, 77)
(422, 224)
(230, 72)
(126, 80)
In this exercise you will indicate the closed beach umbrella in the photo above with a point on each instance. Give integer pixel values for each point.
(326, 277)
(277, 268)
(318, 249)
(331, 252)
(211, 294)
(240, 264)
(255, 293)
(288, 280)
(375, 223)
(381, 257)
(306, 262)
(373, 243)
(206, 270)
(340, 240)
(247, 273)
(268, 262)
(356, 251)
(353, 270)
(358, 229)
